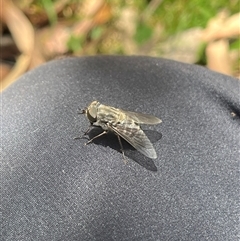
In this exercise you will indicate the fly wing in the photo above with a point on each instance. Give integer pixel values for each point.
(141, 118)
(135, 136)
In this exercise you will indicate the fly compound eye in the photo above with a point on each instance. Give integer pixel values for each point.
(92, 114)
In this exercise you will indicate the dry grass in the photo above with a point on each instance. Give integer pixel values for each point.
(197, 31)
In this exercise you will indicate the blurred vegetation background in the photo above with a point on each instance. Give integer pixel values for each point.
(196, 31)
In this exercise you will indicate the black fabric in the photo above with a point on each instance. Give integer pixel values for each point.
(53, 187)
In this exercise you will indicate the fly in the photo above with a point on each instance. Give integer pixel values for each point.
(125, 124)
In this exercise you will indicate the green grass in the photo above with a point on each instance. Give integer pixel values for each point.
(171, 16)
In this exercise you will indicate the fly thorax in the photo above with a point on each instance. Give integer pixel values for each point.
(122, 117)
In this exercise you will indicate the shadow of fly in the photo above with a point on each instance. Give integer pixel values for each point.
(125, 124)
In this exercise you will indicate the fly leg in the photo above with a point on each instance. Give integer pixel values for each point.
(103, 133)
(84, 134)
(88, 129)
(120, 142)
